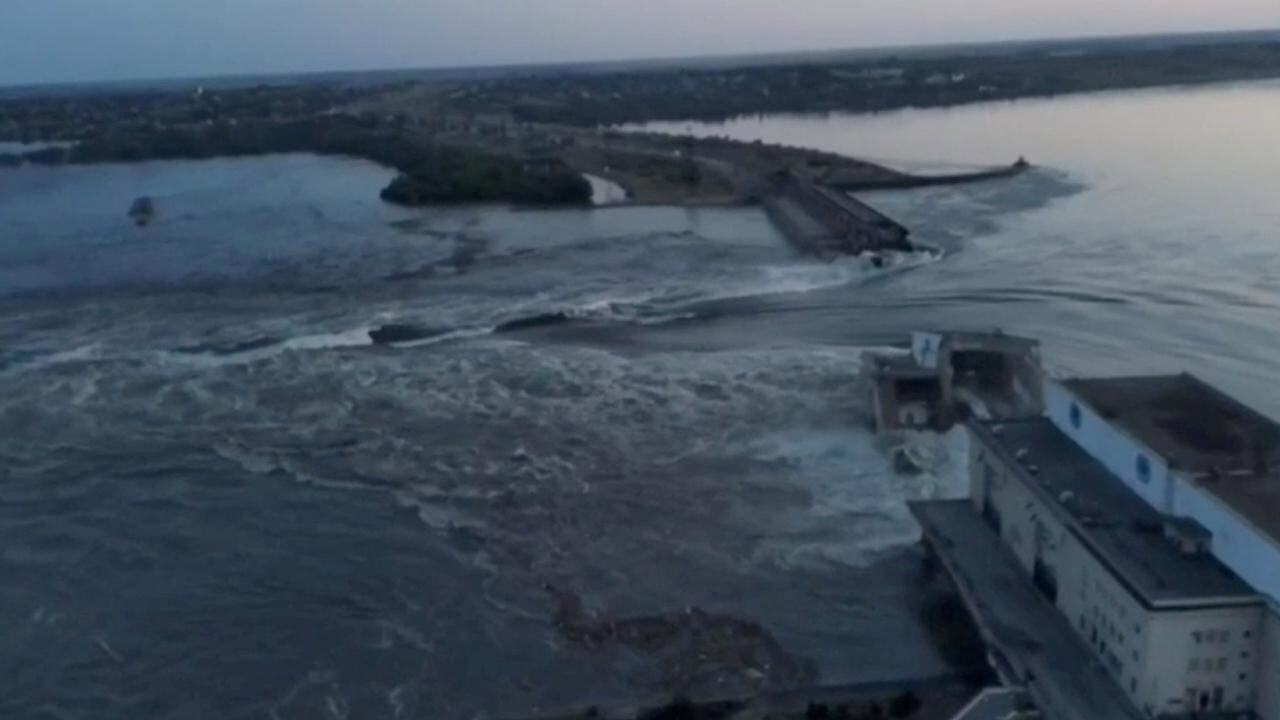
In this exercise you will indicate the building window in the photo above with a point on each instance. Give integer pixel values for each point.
(1076, 416)
(1222, 664)
(1144, 469)
(1193, 665)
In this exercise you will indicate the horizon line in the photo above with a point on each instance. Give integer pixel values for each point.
(656, 61)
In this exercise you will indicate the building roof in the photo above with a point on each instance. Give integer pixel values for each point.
(1126, 534)
(1230, 450)
(1195, 426)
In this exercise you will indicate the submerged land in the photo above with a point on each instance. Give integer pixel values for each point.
(528, 135)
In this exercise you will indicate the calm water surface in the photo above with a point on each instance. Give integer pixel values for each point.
(218, 498)
(1145, 241)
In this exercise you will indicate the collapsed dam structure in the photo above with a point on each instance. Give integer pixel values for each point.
(822, 220)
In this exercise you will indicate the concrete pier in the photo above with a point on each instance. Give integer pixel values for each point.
(908, 181)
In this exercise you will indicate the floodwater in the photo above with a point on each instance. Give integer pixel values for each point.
(218, 497)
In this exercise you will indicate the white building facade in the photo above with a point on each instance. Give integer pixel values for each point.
(1136, 428)
(1178, 633)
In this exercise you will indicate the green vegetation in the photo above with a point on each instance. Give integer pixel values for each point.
(681, 709)
(429, 172)
(457, 177)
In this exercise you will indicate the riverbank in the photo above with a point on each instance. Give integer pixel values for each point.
(429, 172)
(868, 82)
(482, 160)
(524, 137)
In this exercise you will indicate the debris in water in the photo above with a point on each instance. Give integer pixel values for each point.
(143, 211)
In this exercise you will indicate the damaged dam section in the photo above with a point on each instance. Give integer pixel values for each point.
(821, 220)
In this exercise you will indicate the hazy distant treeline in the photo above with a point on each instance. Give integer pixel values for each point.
(883, 84)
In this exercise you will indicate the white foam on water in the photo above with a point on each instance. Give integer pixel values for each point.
(446, 337)
(356, 337)
(858, 507)
(796, 278)
(252, 463)
(80, 353)
(944, 461)
(353, 338)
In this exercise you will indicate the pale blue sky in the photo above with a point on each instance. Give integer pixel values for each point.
(57, 40)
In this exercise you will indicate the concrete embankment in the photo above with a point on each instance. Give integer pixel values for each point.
(822, 220)
(907, 181)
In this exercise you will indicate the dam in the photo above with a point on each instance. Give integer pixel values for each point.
(821, 220)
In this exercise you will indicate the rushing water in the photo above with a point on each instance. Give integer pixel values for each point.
(218, 498)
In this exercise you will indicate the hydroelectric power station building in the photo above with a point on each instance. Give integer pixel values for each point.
(1144, 512)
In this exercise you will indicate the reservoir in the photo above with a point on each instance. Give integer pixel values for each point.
(1144, 241)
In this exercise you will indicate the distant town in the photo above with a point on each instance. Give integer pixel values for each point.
(527, 136)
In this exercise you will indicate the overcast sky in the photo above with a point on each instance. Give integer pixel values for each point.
(61, 40)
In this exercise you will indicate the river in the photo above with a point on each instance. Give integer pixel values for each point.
(1145, 240)
(217, 496)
